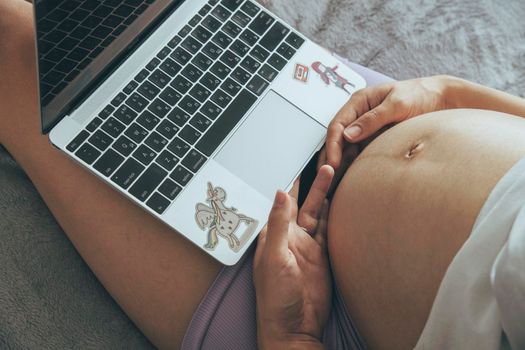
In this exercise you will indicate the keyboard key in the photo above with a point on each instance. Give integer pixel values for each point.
(136, 132)
(286, 51)
(295, 40)
(189, 134)
(108, 163)
(180, 55)
(241, 76)
(210, 81)
(137, 102)
(132, 85)
(106, 112)
(158, 203)
(221, 13)
(167, 160)
(141, 76)
(202, 34)
(194, 161)
(181, 175)
(230, 59)
(250, 64)
(101, 140)
(148, 90)
(277, 61)
(167, 129)
(125, 114)
(205, 10)
(241, 19)
(159, 108)
(202, 61)
(87, 153)
(240, 48)
(249, 37)
(212, 50)
(170, 96)
(178, 116)
(195, 20)
(220, 70)
(124, 146)
(225, 123)
(191, 44)
(159, 78)
(232, 5)
(185, 31)
(250, 9)
(117, 101)
(200, 122)
(179, 147)
(163, 53)
(211, 23)
(231, 87)
(175, 41)
(221, 98)
(257, 85)
(275, 35)
(148, 120)
(231, 29)
(144, 154)
(148, 182)
(268, 72)
(156, 141)
(113, 127)
(181, 84)
(192, 73)
(170, 67)
(170, 189)
(222, 40)
(260, 53)
(261, 23)
(189, 104)
(77, 141)
(210, 110)
(200, 93)
(153, 64)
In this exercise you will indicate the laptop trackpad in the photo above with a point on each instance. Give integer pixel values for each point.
(272, 145)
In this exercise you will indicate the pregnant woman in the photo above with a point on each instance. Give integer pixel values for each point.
(422, 237)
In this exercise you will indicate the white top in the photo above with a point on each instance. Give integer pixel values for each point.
(481, 301)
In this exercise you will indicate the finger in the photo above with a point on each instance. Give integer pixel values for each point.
(322, 226)
(294, 194)
(261, 243)
(311, 209)
(278, 223)
(370, 122)
(321, 160)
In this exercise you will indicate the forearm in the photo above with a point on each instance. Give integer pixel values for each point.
(461, 93)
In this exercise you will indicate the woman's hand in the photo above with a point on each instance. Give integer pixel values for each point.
(372, 108)
(291, 271)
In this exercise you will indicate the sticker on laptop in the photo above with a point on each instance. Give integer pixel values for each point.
(329, 76)
(301, 73)
(224, 222)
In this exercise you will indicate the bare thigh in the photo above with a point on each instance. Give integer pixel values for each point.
(399, 217)
(156, 276)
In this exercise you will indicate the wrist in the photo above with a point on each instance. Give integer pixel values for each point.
(453, 89)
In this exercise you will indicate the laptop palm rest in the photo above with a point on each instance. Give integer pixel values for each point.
(272, 145)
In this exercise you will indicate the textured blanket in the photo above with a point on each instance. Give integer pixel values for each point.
(48, 296)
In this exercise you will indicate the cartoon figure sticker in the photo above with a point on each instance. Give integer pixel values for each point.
(222, 221)
(330, 75)
(301, 73)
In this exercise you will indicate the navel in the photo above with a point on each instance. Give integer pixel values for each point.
(414, 150)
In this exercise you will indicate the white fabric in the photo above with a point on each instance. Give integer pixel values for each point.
(481, 301)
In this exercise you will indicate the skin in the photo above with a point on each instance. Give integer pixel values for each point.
(384, 239)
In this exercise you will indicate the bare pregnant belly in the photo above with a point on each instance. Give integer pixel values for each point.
(405, 207)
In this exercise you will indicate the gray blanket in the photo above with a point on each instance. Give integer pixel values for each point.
(48, 296)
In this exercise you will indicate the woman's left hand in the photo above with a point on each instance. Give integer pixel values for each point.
(291, 270)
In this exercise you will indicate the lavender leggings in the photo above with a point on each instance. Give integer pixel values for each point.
(226, 318)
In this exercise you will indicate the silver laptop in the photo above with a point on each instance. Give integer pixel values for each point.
(197, 111)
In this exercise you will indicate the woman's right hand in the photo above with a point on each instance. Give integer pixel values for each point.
(372, 108)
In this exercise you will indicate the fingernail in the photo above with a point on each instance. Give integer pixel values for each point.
(280, 198)
(353, 132)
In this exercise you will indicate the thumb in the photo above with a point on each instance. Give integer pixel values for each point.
(370, 122)
(278, 223)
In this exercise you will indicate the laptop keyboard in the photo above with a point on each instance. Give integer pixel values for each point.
(75, 33)
(164, 125)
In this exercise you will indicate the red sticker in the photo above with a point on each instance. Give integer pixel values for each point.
(301, 73)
